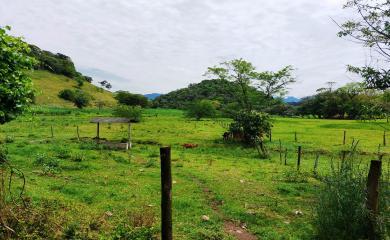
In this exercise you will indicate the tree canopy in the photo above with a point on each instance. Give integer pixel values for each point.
(372, 29)
(15, 86)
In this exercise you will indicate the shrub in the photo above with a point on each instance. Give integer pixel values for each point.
(134, 113)
(67, 94)
(341, 211)
(202, 109)
(251, 128)
(81, 99)
(126, 98)
(50, 165)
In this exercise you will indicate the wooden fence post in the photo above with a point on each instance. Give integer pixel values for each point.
(166, 194)
(285, 157)
(129, 136)
(78, 134)
(344, 138)
(384, 138)
(270, 135)
(98, 130)
(295, 136)
(280, 151)
(316, 164)
(299, 157)
(52, 133)
(373, 195)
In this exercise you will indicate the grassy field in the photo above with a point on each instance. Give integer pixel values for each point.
(48, 85)
(225, 181)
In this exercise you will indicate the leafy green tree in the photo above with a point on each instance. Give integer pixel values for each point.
(126, 98)
(16, 91)
(372, 29)
(275, 83)
(81, 99)
(251, 128)
(202, 109)
(134, 113)
(67, 94)
(238, 71)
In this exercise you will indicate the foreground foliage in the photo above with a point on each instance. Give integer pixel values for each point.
(15, 86)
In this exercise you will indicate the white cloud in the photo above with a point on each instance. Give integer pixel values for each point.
(158, 46)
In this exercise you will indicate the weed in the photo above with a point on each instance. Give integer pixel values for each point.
(294, 176)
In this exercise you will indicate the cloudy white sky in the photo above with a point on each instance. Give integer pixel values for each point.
(158, 46)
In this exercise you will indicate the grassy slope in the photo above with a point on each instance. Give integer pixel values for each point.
(252, 191)
(48, 85)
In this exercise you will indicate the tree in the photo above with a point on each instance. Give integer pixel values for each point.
(202, 109)
(134, 113)
(126, 98)
(81, 99)
(275, 83)
(251, 128)
(16, 91)
(238, 71)
(372, 29)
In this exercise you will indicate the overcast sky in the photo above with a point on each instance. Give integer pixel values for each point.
(158, 46)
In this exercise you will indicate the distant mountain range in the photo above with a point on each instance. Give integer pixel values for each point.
(291, 99)
(152, 96)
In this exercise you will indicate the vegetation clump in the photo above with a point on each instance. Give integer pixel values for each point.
(130, 99)
(341, 209)
(16, 91)
(79, 98)
(202, 109)
(134, 113)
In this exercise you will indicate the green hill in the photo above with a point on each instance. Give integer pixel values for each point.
(48, 85)
(223, 91)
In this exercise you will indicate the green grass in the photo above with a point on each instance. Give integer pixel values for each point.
(48, 85)
(259, 192)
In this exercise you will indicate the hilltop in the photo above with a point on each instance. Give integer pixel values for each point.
(223, 91)
(48, 85)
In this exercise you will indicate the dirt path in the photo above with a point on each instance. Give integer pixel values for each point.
(233, 228)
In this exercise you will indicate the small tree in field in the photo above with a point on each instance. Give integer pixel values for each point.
(15, 86)
(134, 113)
(81, 99)
(202, 109)
(251, 128)
(131, 99)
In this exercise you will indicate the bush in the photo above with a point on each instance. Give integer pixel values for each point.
(341, 211)
(81, 99)
(134, 113)
(130, 99)
(67, 94)
(251, 128)
(202, 109)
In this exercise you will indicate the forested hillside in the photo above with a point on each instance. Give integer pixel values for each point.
(223, 91)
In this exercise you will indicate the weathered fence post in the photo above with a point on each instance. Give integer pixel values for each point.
(78, 134)
(344, 138)
(299, 157)
(384, 138)
(280, 151)
(285, 157)
(373, 195)
(295, 137)
(52, 133)
(98, 130)
(129, 136)
(316, 163)
(166, 194)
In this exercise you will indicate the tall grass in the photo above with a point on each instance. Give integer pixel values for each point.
(341, 211)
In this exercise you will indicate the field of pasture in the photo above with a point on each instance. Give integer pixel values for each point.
(220, 189)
